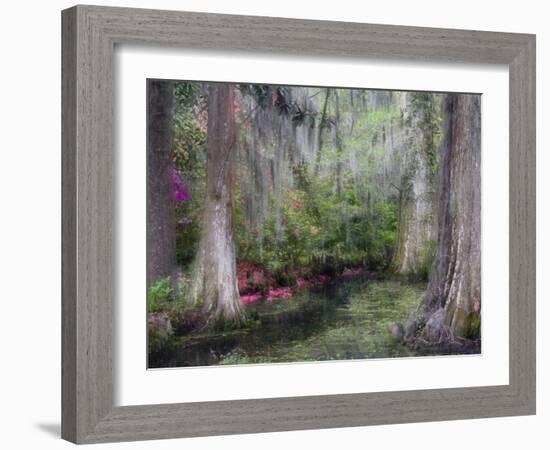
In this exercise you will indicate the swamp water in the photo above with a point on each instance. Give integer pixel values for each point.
(344, 319)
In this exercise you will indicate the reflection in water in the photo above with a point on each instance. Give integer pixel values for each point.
(345, 319)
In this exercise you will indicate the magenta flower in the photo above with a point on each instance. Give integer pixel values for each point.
(179, 187)
(251, 298)
(278, 293)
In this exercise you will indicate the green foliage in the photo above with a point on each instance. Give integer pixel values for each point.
(472, 327)
(160, 293)
(190, 129)
(307, 198)
(321, 232)
(188, 217)
(320, 228)
(189, 153)
(326, 219)
(427, 260)
(382, 236)
(425, 104)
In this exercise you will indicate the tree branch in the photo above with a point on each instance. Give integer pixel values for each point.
(398, 189)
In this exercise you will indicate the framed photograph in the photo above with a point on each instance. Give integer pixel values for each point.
(267, 229)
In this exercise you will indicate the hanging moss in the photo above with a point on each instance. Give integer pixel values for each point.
(426, 105)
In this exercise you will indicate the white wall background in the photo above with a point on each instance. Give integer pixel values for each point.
(30, 236)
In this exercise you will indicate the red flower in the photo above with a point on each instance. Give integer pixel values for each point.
(282, 292)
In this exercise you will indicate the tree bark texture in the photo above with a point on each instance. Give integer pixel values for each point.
(161, 226)
(214, 286)
(322, 124)
(339, 148)
(417, 201)
(452, 305)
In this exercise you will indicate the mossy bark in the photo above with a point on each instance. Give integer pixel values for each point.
(214, 286)
(454, 292)
(417, 231)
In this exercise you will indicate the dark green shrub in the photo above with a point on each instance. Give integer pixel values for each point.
(160, 293)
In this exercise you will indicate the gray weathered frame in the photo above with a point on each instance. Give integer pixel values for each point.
(89, 36)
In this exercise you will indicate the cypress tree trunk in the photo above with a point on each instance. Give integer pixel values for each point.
(453, 300)
(339, 148)
(161, 226)
(214, 285)
(417, 233)
(322, 124)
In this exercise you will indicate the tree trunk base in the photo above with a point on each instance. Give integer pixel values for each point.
(434, 334)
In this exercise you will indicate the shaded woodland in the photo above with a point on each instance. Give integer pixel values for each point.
(293, 223)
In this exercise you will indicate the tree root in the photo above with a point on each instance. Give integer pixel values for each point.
(434, 336)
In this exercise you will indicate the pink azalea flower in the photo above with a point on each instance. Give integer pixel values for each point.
(323, 278)
(179, 187)
(250, 298)
(278, 293)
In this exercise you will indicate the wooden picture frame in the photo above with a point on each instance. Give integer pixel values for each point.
(89, 37)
